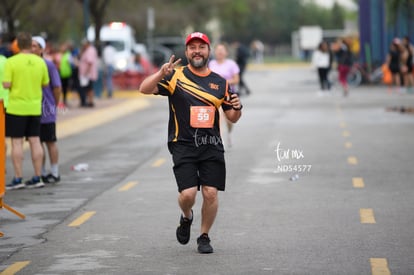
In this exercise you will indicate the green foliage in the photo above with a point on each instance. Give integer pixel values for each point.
(396, 6)
(337, 16)
(271, 21)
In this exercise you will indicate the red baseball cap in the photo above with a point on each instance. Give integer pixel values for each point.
(197, 35)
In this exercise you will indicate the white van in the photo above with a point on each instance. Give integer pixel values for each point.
(122, 37)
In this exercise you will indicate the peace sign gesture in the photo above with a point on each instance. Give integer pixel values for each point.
(168, 67)
(149, 84)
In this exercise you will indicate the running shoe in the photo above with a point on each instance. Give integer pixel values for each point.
(16, 183)
(184, 229)
(35, 182)
(50, 179)
(204, 246)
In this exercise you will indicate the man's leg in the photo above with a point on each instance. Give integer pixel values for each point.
(109, 84)
(53, 152)
(82, 96)
(186, 201)
(17, 156)
(44, 172)
(208, 215)
(37, 154)
(90, 94)
(209, 208)
(52, 148)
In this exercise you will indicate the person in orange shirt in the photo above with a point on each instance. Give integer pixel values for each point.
(14, 47)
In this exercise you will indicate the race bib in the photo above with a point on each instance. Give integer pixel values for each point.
(202, 116)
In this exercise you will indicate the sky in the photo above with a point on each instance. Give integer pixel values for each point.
(346, 3)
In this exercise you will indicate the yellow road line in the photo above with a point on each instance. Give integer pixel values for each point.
(82, 219)
(14, 268)
(358, 182)
(367, 215)
(128, 186)
(342, 125)
(348, 145)
(352, 160)
(158, 162)
(346, 133)
(379, 266)
(338, 107)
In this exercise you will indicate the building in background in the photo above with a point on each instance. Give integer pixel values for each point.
(377, 29)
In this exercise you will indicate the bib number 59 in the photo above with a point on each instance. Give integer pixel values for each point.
(202, 116)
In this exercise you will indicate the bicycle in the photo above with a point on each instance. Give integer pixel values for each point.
(358, 75)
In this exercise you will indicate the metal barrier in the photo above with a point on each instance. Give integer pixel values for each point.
(128, 80)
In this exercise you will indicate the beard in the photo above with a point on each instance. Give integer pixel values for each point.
(198, 63)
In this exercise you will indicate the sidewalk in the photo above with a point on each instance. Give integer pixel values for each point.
(73, 110)
(74, 119)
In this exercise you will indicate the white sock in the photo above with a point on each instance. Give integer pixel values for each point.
(190, 218)
(54, 168)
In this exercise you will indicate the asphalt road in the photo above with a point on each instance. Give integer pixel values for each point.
(316, 185)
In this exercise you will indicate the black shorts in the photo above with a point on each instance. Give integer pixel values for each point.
(48, 132)
(22, 126)
(394, 68)
(196, 166)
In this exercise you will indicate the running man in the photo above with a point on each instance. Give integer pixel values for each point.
(195, 95)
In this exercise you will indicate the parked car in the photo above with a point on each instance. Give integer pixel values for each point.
(160, 55)
(176, 44)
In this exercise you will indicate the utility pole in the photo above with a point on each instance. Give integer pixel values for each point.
(150, 29)
(86, 16)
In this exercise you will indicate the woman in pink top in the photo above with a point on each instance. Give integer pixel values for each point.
(228, 69)
(88, 73)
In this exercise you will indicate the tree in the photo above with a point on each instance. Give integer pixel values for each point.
(271, 21)
(11, 10)
(337, 16)
(394, 7)
(96, 8)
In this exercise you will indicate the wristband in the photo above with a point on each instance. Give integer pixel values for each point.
(238, 109)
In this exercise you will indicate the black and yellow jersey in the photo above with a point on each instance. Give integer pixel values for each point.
(186, 91)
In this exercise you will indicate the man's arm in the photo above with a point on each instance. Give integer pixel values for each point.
(55, 83)
(149, 85)
(234, 114)
(56, 94)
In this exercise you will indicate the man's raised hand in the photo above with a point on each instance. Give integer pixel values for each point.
(168, 67)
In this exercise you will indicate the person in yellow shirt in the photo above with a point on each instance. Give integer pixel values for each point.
(4, 93)
(24, 75)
